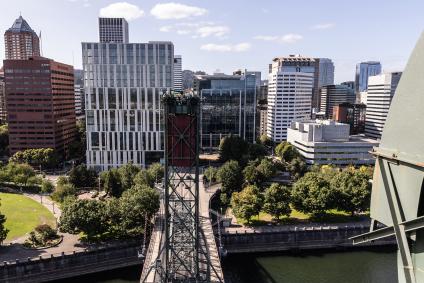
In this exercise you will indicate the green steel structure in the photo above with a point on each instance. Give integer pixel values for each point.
(397, 198)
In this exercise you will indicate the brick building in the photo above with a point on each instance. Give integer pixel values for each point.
(40, 103)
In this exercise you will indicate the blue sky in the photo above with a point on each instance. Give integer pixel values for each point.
(230, 34)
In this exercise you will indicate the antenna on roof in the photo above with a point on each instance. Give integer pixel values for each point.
(41, 45)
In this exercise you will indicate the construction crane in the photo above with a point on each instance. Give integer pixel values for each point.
(397, 198)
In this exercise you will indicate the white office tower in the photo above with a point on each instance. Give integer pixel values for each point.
(178, 73)
(381, 89)
(291, 81)
(113, 30)
(123, 85)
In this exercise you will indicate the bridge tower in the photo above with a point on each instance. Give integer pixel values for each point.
(183, 254)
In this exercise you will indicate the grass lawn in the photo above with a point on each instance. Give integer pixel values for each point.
(23, 214)
(331, 216)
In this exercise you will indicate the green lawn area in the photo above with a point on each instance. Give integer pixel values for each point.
(331, 216)
(23, 214)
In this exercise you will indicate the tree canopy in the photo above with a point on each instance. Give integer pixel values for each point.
(45, 157)
(247, 203)
(232, 148)
(231, 178)
(277, 200)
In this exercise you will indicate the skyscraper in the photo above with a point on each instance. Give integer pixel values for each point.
(228, 107)
(381, 89)
(178, 73)
(324, 75)
(364, 70)
(40, 104)
(291, 81)
(333, 95)
(123, 83)
(21, 42)
(79, 92)
(113, 30)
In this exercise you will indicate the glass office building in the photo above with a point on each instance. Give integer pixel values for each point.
(228, 107)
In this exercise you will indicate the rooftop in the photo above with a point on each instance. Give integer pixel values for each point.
(20, 25)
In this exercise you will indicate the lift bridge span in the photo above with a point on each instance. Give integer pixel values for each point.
(182, 246)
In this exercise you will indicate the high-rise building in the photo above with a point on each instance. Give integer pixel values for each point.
(40, 104)
(21, 42)
(350, 84)
(228, 107)
(333, 95)
(79, 92)
(291, 82)
(364, 70)
(327, 142)
(352, 114)
(381, 89)
(323, 75)
(178, 73)
(262, 108)
(3, 112)
(113, 30)
(123, 83)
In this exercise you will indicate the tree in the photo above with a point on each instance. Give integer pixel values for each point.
(3, 230)
(265, 140)
(277, 200)
(247, 203)
(144, 178)
(286, 151)
(135, 204)
(211, 174)
(266, 168)
(128, 173)
(47, 187)
(297, 167)
(78, 146)
(21, 174)
(252, 175)
(231, 177)
(63, 191)
(353, 190)
(111, 181)
(256, 151)
(4, 140)
(44, 157)
(82, 177)
(312, 194)
(87, 216)
(156, 171)
(232, 148)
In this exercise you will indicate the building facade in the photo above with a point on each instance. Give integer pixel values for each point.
(123, 84)
(178, 74)
(113, 30)
(350, 84)
(290, 88)
(21, 41)
(228, 107)
(364, 70)
(323, 75)
(79, 93)
(40, 104)
(352, 114)
(381, 89)
(328, 142)
(333, 95)
(3, 111)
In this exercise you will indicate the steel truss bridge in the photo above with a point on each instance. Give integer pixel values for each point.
(182, 246)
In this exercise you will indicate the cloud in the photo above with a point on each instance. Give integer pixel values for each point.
(287, 38)
(197, 29)
(323, 26)
(167, 11)
(121, 10)
(241, 47)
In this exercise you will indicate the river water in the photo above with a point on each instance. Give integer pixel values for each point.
(329, 267)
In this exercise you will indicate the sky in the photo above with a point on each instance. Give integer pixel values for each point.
(225, 35)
